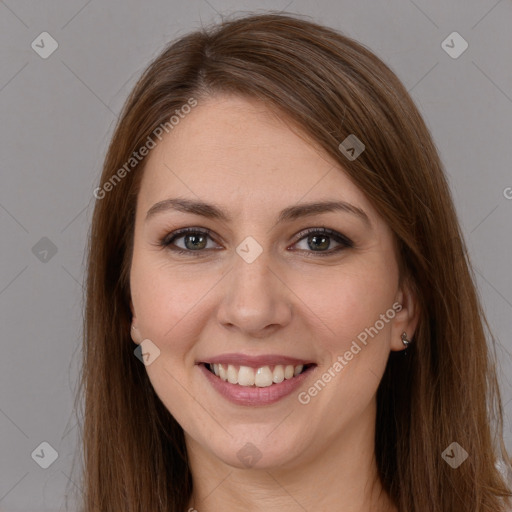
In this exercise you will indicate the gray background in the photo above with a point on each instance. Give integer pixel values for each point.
(58, 115)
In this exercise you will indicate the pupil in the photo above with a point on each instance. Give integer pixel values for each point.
(324, 239)
(195, 243)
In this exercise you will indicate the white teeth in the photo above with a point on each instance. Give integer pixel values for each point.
(262, 377)
(246, 376)
(232, 374)
(278, 374)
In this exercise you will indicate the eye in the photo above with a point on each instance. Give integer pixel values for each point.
(194, 240)
(316, 241)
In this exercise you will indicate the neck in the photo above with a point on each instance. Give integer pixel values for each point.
(338, 474)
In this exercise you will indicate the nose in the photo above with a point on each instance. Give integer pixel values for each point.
(255, 299)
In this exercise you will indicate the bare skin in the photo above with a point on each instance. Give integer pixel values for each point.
(290, 300)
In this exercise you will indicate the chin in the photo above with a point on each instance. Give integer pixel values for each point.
(255, 449)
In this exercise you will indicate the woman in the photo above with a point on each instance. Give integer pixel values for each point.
(280, 311)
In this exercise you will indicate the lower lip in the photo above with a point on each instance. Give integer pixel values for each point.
(248, 395)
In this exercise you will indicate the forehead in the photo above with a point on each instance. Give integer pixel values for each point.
(243, 155)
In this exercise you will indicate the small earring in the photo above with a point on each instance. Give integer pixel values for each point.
(405, 340)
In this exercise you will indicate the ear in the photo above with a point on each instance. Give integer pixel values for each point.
(135, 334)
(406, 319)
(134, 331)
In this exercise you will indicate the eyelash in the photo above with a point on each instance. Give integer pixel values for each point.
(345, 242)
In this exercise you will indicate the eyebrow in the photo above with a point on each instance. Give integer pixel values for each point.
(288, 214)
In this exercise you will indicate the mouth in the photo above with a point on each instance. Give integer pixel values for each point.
(265, 376)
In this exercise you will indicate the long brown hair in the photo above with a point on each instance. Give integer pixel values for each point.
(443, 390)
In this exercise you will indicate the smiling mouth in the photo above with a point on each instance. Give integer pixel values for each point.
(261, 377)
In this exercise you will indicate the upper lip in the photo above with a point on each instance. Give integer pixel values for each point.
(255, 361)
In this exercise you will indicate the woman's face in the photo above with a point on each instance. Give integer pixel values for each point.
(259, 296)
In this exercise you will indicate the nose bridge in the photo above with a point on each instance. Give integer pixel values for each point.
(255, 297)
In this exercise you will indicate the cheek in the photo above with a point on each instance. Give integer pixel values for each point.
(344, 303)
(356, 313)
(167, 301)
